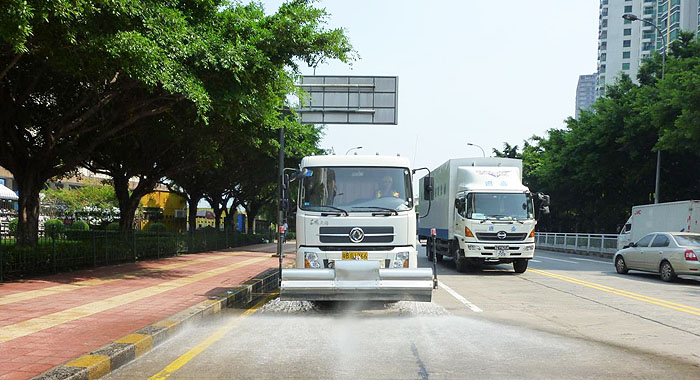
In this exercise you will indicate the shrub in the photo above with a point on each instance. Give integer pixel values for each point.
(79, 225)
(13, 226)
(54, 228)
(155, 227)
(114, 226)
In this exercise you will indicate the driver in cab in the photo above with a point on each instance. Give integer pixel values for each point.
(386, 188)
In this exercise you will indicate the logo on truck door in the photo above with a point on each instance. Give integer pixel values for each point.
(357, 235)
(501, 235)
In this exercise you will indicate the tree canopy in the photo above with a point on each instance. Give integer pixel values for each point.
(600, 165)
(78, 76)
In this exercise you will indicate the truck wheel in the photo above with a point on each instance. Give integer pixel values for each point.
(666, 271)
(620, 265)
(461, 263)
(520, 265)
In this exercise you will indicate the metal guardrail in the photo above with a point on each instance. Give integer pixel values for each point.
(589, 243)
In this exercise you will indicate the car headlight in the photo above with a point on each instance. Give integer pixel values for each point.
(473, 247)
(401, 260)
(311, 260)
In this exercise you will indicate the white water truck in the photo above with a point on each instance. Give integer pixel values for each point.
(356, 232)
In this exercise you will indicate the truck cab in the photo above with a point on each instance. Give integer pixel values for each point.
(356, 225)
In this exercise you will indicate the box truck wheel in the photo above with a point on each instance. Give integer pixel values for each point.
(520, 265)
(461, 263)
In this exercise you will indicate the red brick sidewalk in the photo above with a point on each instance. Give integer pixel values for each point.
(46, 322)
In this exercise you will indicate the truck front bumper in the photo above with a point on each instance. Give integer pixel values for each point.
(355, 280)
(498, 251)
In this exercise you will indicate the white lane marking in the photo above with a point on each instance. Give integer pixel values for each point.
(461, 299)
(551, 258)
(593, 261)
(535, 261)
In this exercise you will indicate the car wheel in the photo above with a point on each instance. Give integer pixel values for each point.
(666, 271)
(620, 265)
(520, 265)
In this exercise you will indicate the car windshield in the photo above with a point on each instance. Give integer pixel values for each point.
(358, 189)
(686, 240)
(500, 206)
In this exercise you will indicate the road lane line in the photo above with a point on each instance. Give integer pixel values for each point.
(656, 301)
(203, 345)
(551, 258)
(31, 326)
(53, 290)
(461, 299)
(593, 261)
(535, 261)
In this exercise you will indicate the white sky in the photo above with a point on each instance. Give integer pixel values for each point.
(485, 72)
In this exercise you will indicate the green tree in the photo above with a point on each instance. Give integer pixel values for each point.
(74, 77)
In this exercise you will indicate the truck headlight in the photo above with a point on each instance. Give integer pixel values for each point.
(528, 248)
(473, 247)
(311, 260)
(401, 260)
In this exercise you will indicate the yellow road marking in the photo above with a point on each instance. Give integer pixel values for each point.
(30, 294)
(211, 339)
(623, 293)
(97, 365)
(37, 324)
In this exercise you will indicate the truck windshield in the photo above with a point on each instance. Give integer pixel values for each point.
(507, 206)
(359, 189)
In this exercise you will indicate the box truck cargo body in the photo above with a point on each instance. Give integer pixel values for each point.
(681, 216)
(481, 212)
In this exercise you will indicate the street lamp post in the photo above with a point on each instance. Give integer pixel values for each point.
(631, 17)
(482, 149)
(351, 149)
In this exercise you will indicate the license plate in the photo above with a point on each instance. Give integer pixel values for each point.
(501, 250)
(354, 255)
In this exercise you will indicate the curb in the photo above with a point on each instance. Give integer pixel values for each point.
(108, 358)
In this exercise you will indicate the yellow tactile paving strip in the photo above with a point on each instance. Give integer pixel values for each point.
(34, 325)
(53, 290)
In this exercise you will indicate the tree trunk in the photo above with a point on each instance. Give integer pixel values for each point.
(28, 224)
(128, 202)
(192, 202)
(217, 217)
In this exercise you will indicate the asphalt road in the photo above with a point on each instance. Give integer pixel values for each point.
(567, 317)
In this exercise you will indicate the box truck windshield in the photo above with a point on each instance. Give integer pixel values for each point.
(356, 189)
(506, 206)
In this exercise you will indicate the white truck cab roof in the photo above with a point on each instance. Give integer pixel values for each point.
(333, 160)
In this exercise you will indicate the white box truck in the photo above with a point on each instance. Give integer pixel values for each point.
(482, 213)
(681, 216)
(356, 224)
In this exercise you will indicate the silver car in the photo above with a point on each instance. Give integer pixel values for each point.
(666, 253)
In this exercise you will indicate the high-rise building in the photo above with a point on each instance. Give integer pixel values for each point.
(585, 92)
(623, 44)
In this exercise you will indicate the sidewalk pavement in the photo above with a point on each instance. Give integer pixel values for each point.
(45, 322)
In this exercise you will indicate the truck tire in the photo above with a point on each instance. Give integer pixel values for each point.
(461, 263)
(520, 265)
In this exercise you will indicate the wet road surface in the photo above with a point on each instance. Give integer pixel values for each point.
(568, 317)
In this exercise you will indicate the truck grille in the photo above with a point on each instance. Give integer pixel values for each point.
(493, 236)
(341, 235)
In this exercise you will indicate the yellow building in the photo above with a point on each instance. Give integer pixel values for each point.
(164, 207)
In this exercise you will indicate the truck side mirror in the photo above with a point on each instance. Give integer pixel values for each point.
(544, 202)
(428, 184)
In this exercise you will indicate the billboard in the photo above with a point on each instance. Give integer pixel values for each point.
(333, 99)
